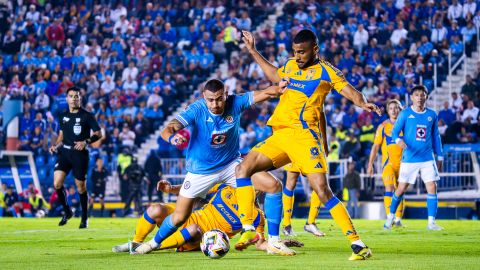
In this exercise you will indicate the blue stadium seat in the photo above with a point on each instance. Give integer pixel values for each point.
(52, 160)
(40, 161)
(42, 175)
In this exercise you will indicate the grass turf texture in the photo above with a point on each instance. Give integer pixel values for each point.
(41, 244)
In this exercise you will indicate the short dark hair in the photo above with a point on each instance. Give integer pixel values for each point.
(305, 35)
(73, 88)
(214, 85)
(420, 88)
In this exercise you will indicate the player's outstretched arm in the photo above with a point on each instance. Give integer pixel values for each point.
(371, 158)
(167, 187)
(270, 92)
(170, 135)
(359, 99)
(267, 67)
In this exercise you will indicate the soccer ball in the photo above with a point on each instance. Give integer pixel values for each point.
(215, 244)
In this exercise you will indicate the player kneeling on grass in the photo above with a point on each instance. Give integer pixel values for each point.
(218, 213)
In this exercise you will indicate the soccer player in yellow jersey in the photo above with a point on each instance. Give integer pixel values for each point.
(295, 138)
(391, 157)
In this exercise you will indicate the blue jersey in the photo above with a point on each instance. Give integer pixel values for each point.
(214, 139)
(420, 134)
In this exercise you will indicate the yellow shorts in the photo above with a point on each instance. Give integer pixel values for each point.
(390, 175)
(302, 147)
(290, 167)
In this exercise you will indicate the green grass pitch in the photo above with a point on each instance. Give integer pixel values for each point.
(41, 244)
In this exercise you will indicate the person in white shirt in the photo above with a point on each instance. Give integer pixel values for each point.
(127, 137)
(439, 33)
(470, 113)
(130, 71)
(360, 38)
(91, 59)
(398, 34)
(122, 24)
(42, 101)
(130, 84)
(119, 11)
(455, 10)
(469, 8)
(108, 85)
(231, 83)
(32, 14)
(456, 102)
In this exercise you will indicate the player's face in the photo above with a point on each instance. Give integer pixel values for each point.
(419, 98)
(393, 110)
(215, 101)
(305, 54)
(73, 99)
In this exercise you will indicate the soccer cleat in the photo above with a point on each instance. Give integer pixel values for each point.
(360, 253)
(144, 248)
(68, 215)
(434, 227)
(127, 247)
(83, 224)
(288, 231)
(389, 222)
(398, 223)
(246, 239)
(313, 229)
(280, 249)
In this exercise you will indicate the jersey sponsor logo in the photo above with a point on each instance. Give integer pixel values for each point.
(297, 85)
(225, 213)
(298, 73)
(318, 166)
(411, 116)
(187, 185)
(77, 129)
(229, 119)
(218, 139)
(421, 133)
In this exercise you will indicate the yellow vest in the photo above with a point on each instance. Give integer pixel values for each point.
(124, 161)
(341, 134)
(368, 133)
(333, 155)
(228, 34)
(2, 200)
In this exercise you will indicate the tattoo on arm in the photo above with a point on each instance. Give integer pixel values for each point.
(175, 125)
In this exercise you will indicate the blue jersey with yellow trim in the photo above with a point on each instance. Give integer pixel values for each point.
(301, 104)
(214, 139)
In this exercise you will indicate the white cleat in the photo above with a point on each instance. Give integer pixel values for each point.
(313, 229)
(280, 249)
(288, 231)
(121, 248)
(144, 248)
(389, 222)
(434, 227)
(398, 224)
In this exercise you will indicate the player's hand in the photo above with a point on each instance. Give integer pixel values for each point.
(402, 144)
(249, 40)
(292, 243)
(164, 186)
(370, 170)
(284, 84)
(52, 149)
(80, 145)
(439, 165)
(370, 107)
(177, 139)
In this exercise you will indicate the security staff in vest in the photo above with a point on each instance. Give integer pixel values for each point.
(136, 176)
(78, 128)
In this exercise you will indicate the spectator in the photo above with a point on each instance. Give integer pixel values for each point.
(154, 171)
(470, 113)
(447, 114)
(398, 34)
(351, 183)
(470, 88)
(360, 38)
(456, 102)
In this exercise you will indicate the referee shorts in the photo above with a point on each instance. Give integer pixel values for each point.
(73, 160)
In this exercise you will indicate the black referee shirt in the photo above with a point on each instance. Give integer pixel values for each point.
(76, 126)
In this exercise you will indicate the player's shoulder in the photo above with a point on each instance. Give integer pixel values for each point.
(430, 111)
(85, 112)
(383, 124)
(197, 105)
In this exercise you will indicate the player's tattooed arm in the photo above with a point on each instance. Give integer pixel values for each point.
(359, 99)
(270, 92)
(170, 135)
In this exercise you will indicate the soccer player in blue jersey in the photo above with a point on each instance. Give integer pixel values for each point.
(213, 154)
(420, 144)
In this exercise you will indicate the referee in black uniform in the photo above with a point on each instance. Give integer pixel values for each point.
(75, 127)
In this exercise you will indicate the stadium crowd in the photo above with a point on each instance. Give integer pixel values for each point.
(136, 61)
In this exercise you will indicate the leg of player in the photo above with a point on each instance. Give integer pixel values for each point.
(154, 216)
(288, 199)
(191, 233)
(397, 198)
(311, 225)
(254, 162)
(58, 180)
(82, 190)
(432, 205)
(319, 183)
(265, 182)
(182, 212)
(102, 206)
(91, 202)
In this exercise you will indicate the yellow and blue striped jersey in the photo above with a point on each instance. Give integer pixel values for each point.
(391, 152)
(301, 104)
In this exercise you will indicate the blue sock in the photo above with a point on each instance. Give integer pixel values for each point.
(395, 202)
(432, 205)
(166, 229)
(273, 212)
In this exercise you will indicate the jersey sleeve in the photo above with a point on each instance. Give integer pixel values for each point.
(92, 122)
(60, 121)
(436, 140)
(243, 102)
(337, 79)
(399, 126)
(379, 135)
(282, 71)
(188, 116)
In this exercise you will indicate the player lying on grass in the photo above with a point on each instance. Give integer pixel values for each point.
(218, 213)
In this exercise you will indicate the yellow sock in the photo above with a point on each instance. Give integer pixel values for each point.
(314, 208)
(400, 209)
(342, 218)
(246, 198)
(387, 200)
(288, 199)
(145, 225)
(177, 239)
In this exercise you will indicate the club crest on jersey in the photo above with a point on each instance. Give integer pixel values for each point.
(218, 139)
(314, 152)
(421, 133)
(77, 129)
(429, 119)
(229, 119)
(310, 74)
(186, 185)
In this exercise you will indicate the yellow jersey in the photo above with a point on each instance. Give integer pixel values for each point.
(391, 152)
(301, 103)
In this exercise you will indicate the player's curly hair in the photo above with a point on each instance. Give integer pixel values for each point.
(305, 35)
(214, 85)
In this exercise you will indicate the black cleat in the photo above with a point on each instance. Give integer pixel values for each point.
(83, 224)
(68, 215)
